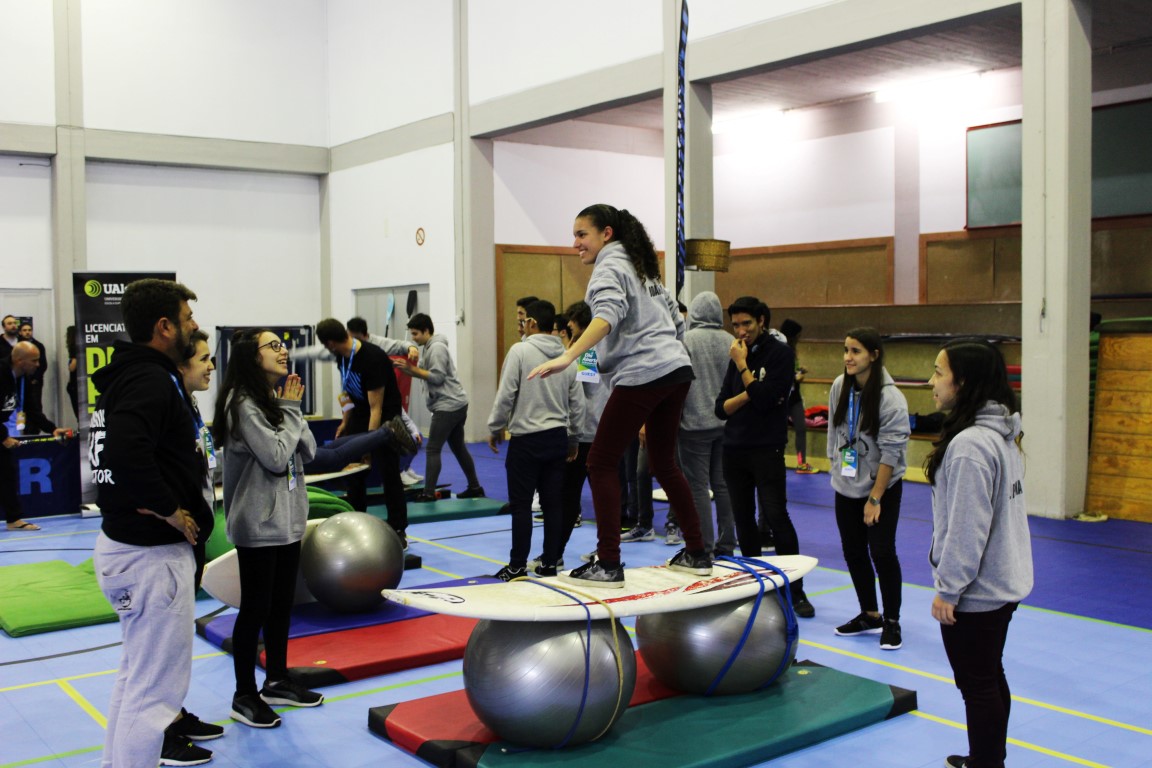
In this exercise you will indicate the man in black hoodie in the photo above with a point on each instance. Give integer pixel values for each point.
(753, 402)
(148, 471)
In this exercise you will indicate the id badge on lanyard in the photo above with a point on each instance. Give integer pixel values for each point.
(849, 459)
(292, 475)
(208, 447)
(588, 367)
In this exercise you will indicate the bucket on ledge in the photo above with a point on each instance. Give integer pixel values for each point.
(707, 254)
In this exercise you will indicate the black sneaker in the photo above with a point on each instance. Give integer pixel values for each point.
(802, 607)
(177, 750)
(890, 639)
(401, 443)
(767, 544)
(861, 625)
(588, 557)
(191, 727)
(956, 761)
(579, 522)
(685, 561)
(253, 711)
(541, 571)
(539, 560)
(471, 493)
(424, 497)
(403, 540)
(595, 575)
(507, 573)
(289, 692)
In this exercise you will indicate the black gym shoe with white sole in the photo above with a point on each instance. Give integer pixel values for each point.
(401, 441)
(293, 694)
(471, 493)
(508, 573)
(539, 560)
(253, 711)
(191, 727)
(956, 761)
(639, 533)
(890, 639)
(686, 562)
(861, 625)
(542, 571)
(593, 574)
(802, 607)
(177, 750)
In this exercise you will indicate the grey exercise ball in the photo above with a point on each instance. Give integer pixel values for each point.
(686, 650)
(349, 558)
(525, 679)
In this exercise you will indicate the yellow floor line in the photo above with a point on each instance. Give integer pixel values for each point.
(447, 548)
(950, 681)
(1015, 742)
(84, 704)
(440, 572)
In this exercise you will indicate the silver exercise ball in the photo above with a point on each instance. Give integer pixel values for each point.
(525, 679)
(686, 650)
(349, 558)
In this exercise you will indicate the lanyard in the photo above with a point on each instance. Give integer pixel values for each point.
(346, 366)
(853, 415)
(197, 422)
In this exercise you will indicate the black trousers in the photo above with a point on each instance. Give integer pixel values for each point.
(9, 491)
(388, 464)
(975, 648)
(752, 472)
(536, 463)
(268, 583)
(575, 473)
(867, 546)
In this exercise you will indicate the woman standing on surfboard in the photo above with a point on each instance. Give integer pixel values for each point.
(981, 550)
(867, 441)
(265, 441)
(638, 333)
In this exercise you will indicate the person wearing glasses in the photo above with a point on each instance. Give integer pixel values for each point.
(265, 442)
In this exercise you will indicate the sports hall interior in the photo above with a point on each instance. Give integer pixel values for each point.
(292, 161)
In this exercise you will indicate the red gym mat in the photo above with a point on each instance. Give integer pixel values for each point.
(354, 654)
(435, 728)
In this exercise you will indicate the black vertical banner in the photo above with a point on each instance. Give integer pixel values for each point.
(97, 296)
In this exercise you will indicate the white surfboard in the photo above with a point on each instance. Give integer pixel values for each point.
(222, 576)
(652, 589)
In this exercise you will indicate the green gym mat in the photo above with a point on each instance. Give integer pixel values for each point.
(44, 597)
(321, 503)
(446, 509)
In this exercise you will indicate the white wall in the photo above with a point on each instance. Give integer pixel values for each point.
(515, 45)
(248, 244)
(25, 222)
(540, 189)
(375, 212)
(253, 70)
(375, 49)
(716, 16)
(27, 65)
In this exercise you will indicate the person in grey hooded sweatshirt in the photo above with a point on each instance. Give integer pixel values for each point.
(981, 548)
(701, 431)
(545, 417)
(448, 403)
(867, 441)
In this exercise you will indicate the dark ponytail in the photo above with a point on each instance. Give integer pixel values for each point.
(630, 233)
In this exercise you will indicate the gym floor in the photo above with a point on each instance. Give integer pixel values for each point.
(1076, 658)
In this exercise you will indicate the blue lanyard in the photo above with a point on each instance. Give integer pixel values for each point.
(197, 422)
(346, 366)
(853, 415)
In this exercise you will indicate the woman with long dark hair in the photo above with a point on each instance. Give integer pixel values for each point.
(265, 442)
(981, 550)
(867, 443)
(637, 332)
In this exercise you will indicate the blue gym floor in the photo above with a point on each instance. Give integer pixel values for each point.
(1077, 656)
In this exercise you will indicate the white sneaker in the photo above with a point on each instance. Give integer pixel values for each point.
(408, 477)
(536, 503)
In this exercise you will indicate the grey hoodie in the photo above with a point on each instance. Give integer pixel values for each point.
(260, 509)
(524, 407)
(888, 447)
(646, 324)
(445, 393)
(708, 345)
(981, 548)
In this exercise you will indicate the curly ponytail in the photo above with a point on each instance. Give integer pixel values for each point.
(630, 233)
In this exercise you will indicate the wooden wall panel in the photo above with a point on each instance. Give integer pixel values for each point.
(1122, 258)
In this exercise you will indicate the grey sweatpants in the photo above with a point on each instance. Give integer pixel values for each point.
(151, 589)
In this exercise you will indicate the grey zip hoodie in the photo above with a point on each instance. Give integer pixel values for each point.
(708, 345)
(647, 329)
(445, 393)
(981, 548)
(888, 447)
(524, 407)
(260, 509)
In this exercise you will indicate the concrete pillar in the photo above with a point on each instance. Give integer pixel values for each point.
(1056, 232)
